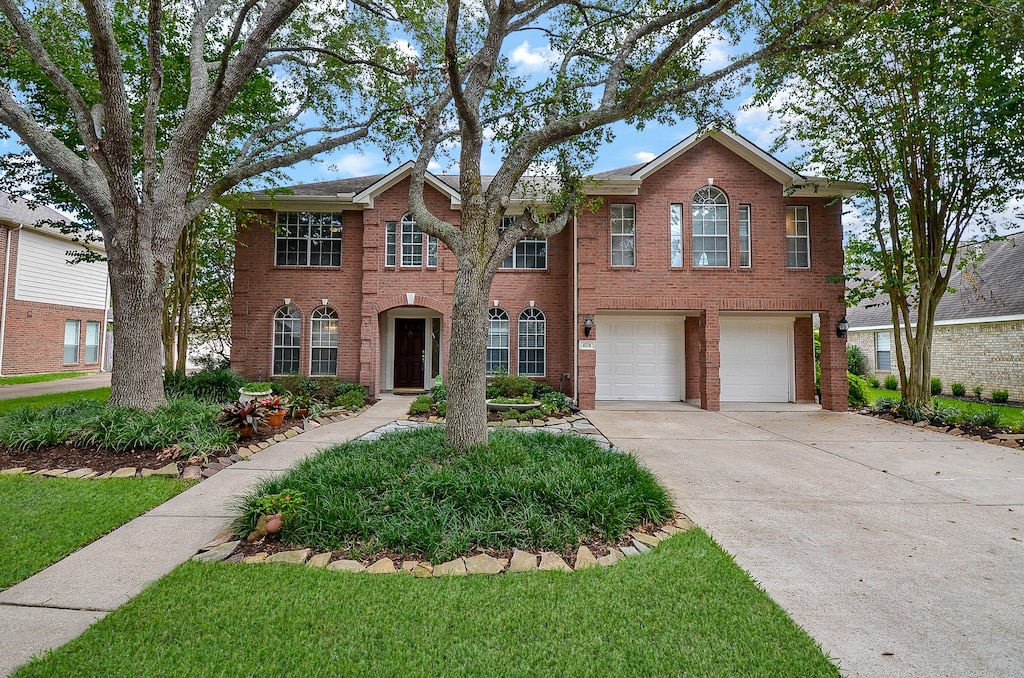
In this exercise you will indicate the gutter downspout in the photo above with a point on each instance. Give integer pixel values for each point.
(575, 309)
(3, 306)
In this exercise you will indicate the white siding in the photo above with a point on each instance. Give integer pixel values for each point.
(43, 273)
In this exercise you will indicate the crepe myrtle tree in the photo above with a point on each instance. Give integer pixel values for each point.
(142, 113)
(613, 60)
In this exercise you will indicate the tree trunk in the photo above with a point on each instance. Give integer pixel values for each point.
(137, 287)
(466, 418)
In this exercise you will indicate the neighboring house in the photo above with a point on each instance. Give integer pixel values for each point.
(979, 329)
(52, 316)
(695, 279)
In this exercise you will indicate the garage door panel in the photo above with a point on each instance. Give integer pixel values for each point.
(639, 358)
(756, 359)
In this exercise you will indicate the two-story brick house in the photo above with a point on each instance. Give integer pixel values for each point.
(696, 279)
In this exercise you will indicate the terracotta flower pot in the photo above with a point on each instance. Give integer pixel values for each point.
(245, 431)
(275, 418)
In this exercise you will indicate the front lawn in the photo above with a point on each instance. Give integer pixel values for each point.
(683, 610)
(1010, 417)
(409, 493)
(39, 378)
(101, 395)
(45, 519)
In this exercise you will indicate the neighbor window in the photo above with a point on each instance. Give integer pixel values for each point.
(308, 239)
(745, 236)
(710, 228)
(92, 342)
(883, 351)
(623, 235)
(412, 242)
(529, 252)
(72, 330)
(531, 343)
(287, 333)
(798, 238)
(497, 341)
(675, 222)
(323, 342)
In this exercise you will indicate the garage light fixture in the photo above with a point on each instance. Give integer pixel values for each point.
(588, 324)
(842, 327)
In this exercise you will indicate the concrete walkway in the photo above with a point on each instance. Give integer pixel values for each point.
(58, 604)
(89, 381)
(899, 550)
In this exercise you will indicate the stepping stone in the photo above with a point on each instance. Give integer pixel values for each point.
(423, 570)
(103, 476)
(53, 472)
(222, 538)
(661, 535)
(289, 557)
(409, 565)
(538, 422)
(319, 560)
(169, 471)
(629, 551)
(585, 559)
(263, 445)
(192, 473)
(17, 470)
(79, 473)
(245, 453)
(552, 561)
(614, 556)
(484, 564)
(346, 566)
(218, 554)
(279, 437)
(455, 567)
(126, 472)
(522, 561)
(684, 524)
(382, 566)
(641, 547)
(290, 433)
(645, 539)
(669, 529)
(255, 558)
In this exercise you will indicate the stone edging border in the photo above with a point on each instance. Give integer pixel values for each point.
(222, 548)
(1012, 441)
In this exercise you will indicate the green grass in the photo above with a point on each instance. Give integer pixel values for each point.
(98, 394)
(409, 493)
(684, 610)
(39, 378)
(1010, 417)
(46, 519)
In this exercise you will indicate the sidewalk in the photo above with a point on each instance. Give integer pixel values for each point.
(89, 381)
(58, 604)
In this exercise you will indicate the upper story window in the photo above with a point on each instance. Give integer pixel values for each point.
(287, 337)
(308, 239)
(323, 342)
(675, 223)
(532, 335)
(710, 228)
(529, 252)
(405, 242)
(497, 341)
(745, 236)
(623, 235)
(798, 237)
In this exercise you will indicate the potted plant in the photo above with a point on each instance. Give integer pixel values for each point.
(254, 390)
(299, 405)
(243, 417)
(275, 407)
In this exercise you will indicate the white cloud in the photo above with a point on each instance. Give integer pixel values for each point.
(407, 48)
(644, 156)
(717, 50)
(355, 165)
(534, 59)
(761, 123)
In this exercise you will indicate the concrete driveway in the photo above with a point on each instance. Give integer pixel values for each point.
(899, 550)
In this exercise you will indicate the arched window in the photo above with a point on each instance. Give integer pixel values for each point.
(287, 338)
(710, 228)
(403, 244)
(497, 341)
(532, 334)
(323, 342)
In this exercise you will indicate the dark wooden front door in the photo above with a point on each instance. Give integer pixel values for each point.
(409, 345)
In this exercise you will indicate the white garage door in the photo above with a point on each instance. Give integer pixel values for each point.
(640, 358)
(757, 359)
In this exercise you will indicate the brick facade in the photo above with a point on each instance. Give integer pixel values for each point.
(982, 353)
(367, 294)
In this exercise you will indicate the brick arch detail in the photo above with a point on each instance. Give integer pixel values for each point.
(395, 300)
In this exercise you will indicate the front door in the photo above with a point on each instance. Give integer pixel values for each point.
(409, 344)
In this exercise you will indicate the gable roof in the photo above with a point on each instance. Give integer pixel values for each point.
(17, 213)
(994, 289)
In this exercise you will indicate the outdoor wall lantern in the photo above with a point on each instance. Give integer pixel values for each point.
(588, 324)
(842, 327)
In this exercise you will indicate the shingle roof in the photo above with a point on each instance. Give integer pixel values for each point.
(995, 287)
(20, 213)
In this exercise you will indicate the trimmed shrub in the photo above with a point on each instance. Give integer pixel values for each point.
(856, 361)
(912, 412)
(421, 405)
(977, 389)
(442, 409)
(351, 400)
(509, 386)
(936, 386)
(858, 393)
(885, 404)
(959, 390)
(990, 417)
(1000, 395)
(947, 415)
(873, 381)
(439, 393)
(892, 383)
(212, 386)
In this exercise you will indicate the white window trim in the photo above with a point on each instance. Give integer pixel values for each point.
(491, 318)
(536, 316)
(77, 344)
(675, 243)
(622, 219)
(96, 324)
(309, 238)
(708, 192)
(746, 248)
(888, 339)
(320, 314)
(275, 346)
(390, 244)
(806, 237)
(505, 223)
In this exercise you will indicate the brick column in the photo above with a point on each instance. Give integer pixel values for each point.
(586, 386)
(834, 388)
(803, 358)
(710, 360)
(693, 341)
(369, 349)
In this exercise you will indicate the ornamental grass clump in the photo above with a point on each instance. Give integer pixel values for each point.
(408, 493)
